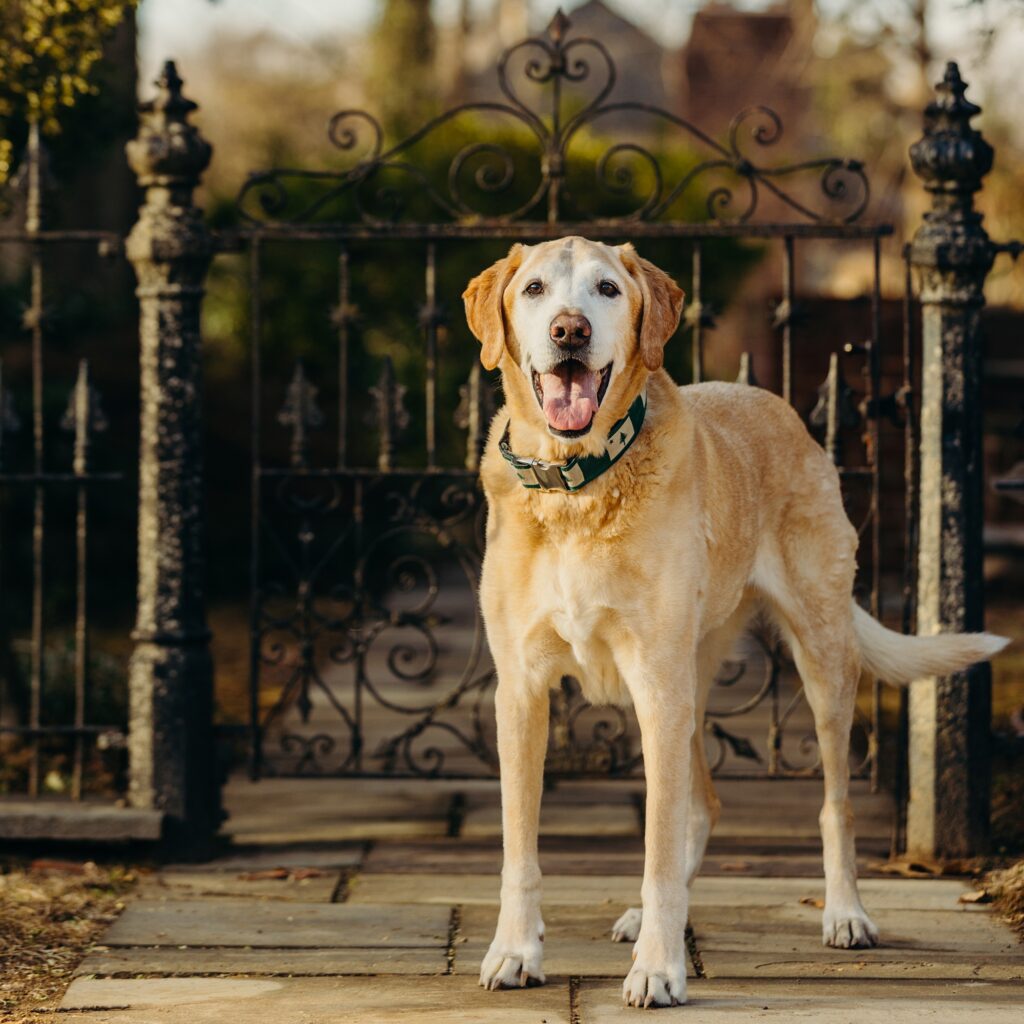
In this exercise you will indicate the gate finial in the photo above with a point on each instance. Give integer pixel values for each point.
(558, 26)
(951, 157)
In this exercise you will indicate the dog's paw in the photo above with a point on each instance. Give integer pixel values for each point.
(627, 928)
(848, 929)
(655, 985)
(507, 965)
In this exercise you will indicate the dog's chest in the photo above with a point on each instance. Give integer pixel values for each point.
(581, 598)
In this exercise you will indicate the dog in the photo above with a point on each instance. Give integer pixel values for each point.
(634, 528)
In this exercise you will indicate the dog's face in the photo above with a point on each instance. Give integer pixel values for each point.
(569, 320)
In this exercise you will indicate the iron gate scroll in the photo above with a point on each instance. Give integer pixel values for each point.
(367, 649)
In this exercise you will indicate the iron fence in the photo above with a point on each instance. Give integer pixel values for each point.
(365, 660)
(367, 655)
(59, 752)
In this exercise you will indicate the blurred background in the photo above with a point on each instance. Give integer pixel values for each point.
(847, 77)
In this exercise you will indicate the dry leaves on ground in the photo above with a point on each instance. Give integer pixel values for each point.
(1006, 887)
(50, 913)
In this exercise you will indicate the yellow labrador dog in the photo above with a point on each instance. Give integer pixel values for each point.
(634, 528)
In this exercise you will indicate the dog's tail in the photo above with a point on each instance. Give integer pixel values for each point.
(897, 658)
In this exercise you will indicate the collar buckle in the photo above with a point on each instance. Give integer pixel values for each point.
(548, 475)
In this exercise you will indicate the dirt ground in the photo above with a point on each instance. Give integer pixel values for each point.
(50, 913)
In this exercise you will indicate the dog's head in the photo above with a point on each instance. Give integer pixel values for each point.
(577, 325)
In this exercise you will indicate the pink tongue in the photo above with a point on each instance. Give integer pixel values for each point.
(570, 396)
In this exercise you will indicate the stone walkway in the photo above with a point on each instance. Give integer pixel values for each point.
(375, 902)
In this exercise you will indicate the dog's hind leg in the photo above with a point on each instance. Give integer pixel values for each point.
(704, 802)
(820, 634)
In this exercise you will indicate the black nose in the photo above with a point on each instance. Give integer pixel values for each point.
(570, 330)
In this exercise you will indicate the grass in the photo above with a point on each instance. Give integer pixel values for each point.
(50, 914)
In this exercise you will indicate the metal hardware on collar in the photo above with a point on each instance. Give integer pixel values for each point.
(538, 475)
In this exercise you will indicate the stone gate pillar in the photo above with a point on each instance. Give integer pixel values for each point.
(172, 759)
(948, 812)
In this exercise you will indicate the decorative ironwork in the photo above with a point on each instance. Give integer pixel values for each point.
(365, 611)
(9, 422)
(473, 414)
(835, 411)
(300, 412)
(84, 416)
(390, 414)
(394, 541)
(745, 375)
(487, 169)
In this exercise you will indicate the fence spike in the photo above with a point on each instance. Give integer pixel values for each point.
(746, 374)
(835, 409)
(9, 422)
(389, 412)
(475, 409)
(83, 417)
(300, 412)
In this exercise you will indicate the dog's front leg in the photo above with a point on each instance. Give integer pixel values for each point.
(515, 956)
(664, 698)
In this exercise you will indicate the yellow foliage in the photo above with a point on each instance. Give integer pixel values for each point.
(47, 50)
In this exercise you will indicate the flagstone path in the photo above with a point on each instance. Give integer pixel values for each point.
(374, 902)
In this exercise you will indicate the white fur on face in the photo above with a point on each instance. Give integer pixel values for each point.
(570, 272)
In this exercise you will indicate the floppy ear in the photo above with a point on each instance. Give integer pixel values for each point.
(484, 311)
(663, 303)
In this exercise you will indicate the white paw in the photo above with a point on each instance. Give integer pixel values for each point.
(655, 985)
(627, 928)
(513, 965)
(848, 929)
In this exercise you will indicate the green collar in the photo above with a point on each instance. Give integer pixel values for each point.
(536, 474)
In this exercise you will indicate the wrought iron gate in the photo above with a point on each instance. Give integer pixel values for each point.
(367, 652)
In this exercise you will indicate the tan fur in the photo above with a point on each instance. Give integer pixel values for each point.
(662, 304)
(484, 312)
(639, 584)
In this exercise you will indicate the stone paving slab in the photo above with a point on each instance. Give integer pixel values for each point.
(738, 863)
(450, 890)
(721, 891)
(883, 963)
(571, 809)
(197, 961)
(286, 855)
(447, 1000)
(784, 810)
(237, 922)
(877, 893)
(559, 855)
(304, 811)
(83, 821)
(581, 855)
(177, 885)
(797, 929)
(576, 941)
(820, 1002)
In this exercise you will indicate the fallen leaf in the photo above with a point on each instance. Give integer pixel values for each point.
(301, 874)
(271, 874)
(975, 896)
(908, 868)
(66, 867)
(812, 901)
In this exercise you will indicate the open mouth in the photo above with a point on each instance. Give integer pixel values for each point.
(570, 395)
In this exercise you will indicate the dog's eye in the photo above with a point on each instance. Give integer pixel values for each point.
(534, 288)
(608, 289)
